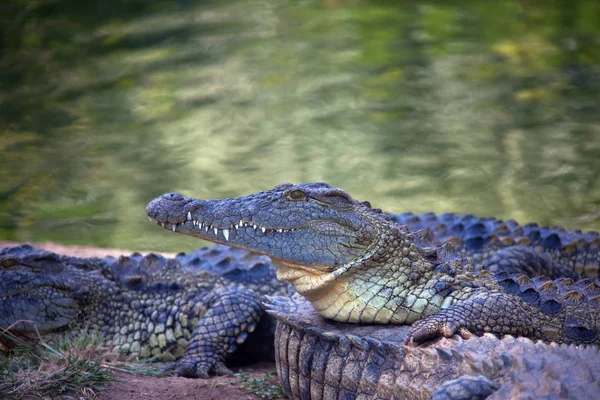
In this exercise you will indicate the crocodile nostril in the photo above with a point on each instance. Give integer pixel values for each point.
(172, 196)
(197, 205)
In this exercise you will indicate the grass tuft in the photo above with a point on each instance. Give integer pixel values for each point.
(260, 387)
(147, 367)
(71, 367)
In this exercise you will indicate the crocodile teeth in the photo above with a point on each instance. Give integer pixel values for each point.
(227, 231)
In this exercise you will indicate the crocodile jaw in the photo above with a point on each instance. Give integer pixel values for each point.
(20, 310)
(329, 229)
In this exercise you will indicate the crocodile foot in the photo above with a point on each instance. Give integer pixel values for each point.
(194, 368)
(433, 327)
(484, 312)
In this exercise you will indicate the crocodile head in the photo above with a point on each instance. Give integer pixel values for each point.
(318, 236)
(36, 292)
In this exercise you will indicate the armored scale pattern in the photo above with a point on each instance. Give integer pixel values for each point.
(198, 308)
(323, 359)
(507, 246)
(356, 265)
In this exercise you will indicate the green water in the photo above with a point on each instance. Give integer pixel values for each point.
(485, 107)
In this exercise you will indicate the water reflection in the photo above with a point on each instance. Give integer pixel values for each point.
(491, 108)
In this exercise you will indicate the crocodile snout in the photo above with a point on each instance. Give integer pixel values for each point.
(167, 208)
(174, 208)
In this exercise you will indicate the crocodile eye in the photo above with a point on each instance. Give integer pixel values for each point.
(297, 194)
(9, 262)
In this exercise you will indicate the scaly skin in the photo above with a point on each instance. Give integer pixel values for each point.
(323, 359)
(146, 306)
(510, 247)
(355, 265)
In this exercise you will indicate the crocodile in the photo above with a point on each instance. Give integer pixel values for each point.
(324, 359)
(203, 309)
(356, 265)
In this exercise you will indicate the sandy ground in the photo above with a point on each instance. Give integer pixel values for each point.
(78, 251)
(129, 386)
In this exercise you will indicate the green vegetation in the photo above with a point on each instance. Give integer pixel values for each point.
(261, 387)
(484, 107)
(70, 367)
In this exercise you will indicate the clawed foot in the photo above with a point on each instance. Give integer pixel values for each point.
(497, 313)
(190, 368)
(168, 368)
(433, 327)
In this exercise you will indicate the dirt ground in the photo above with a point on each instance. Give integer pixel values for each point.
(129, 386)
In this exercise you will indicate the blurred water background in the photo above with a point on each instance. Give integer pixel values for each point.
(484, 107)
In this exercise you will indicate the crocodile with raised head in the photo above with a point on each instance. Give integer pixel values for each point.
(356, 265)
(199, 307)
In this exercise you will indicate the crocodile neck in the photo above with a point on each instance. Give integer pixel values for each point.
(392, 283)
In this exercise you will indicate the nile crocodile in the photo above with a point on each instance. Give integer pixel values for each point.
(356, 265)
(322, 359)
(198, 307)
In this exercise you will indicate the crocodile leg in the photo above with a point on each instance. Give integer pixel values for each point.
(502, 313)
(230, 317)
(483, 312)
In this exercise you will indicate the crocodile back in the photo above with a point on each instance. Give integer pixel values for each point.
(321, 359)
(252, 270)
(566, 253)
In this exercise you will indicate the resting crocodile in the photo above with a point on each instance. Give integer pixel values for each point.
(199, 307)
(356, 265)
(323, 359)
